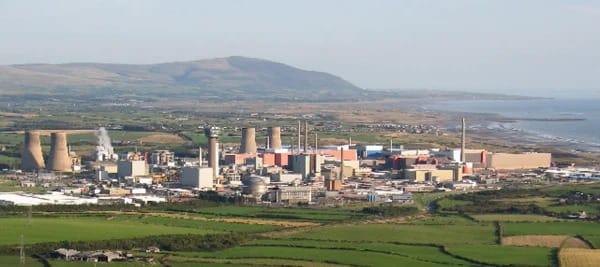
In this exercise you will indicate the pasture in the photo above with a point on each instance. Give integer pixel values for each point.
(40, 230)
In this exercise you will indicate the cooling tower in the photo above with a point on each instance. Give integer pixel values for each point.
(59, 159)
(274, 137)
(248, 140)
(31, 156)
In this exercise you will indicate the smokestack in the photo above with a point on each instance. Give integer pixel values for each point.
(31, 157)
(59, 159)
(248, 140)
(349, 140)
(212, 147)
(342, 165)
(305, 137)
(199, 156)
(463, 142)
(215, 156)
(299, 137)
(274, 137)
(316, 144)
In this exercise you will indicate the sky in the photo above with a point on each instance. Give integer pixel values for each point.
(493, 45)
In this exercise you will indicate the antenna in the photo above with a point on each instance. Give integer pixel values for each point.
(22, 252)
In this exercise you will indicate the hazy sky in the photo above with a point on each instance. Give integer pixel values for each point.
(445, 44)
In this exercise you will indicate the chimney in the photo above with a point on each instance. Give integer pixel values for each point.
(316, 143)
(342, 164)
(59, 159)
(199, 156)
(274, 134)
(299, 137)
(32, 158)
(305, 137)
(463, 142)
(248, 140)
(215, 156)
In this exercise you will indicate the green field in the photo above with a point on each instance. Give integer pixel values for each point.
(406, 233)
(504, 255)
(75, 229)
(339, 256)
(216, 226)
(14, 261)
(302, 214)
(421, 253)
(513, 218)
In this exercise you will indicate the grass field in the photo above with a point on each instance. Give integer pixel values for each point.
(14, 261)
(577, 257)
(321, 215)
(422, 253)
(504, 255)
(75, 229)
(340, 256)
(217, 226)
(513, 218)
(406, 233)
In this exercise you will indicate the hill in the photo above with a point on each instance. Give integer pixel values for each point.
(231, 78)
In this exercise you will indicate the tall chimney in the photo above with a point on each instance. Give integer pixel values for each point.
(274, 134)
(31, 157)
(299, 137)
(215, 156)
(212, 147)
(316, 144)
(59, 159)
(248, 140)
(463, 142)
(342, 164)
(305, 137)
(199, 156)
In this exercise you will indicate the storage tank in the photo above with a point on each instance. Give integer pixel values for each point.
(31, 157)
(59, 159)
(248, 140)
(274, 134)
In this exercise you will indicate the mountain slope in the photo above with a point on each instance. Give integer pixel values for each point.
(228, 78)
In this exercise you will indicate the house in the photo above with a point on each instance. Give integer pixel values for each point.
(152, 250)
(64, 253)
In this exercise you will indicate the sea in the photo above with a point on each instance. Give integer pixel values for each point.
(569, 121)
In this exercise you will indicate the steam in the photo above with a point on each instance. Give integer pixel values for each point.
(104, 145)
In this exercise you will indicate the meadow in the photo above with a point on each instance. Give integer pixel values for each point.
(38, 230)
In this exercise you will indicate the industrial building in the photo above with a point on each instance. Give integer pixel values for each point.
(508, 161)
(197, 177)
(291, 195)
(132, 168)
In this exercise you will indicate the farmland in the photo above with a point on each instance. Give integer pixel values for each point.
(307, 236)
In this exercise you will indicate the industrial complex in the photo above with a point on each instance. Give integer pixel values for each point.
(274, 173)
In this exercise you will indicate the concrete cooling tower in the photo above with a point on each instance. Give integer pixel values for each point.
(31, 157)
(59, 159)
(248, 140)
(274, 137)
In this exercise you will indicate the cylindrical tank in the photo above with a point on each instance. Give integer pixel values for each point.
(274, 137)
(248, 140)
(31, 156)
(59, 159)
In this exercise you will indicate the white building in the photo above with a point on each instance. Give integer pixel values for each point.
(132, 168)
(197, 177)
